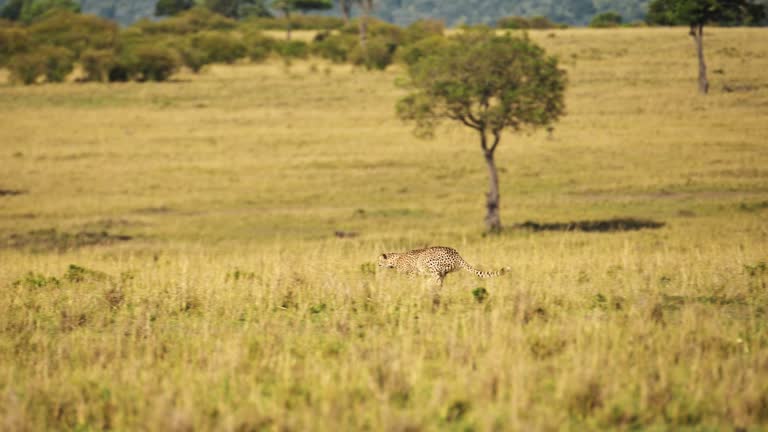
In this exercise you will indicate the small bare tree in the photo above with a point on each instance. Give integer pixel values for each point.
(697, 13)
(490, 84)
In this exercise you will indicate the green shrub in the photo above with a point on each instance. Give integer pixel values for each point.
(513, 23)
(536, 22)
(335, 48)
(542, 22)
(480, 294)
(37, 9)
(74, 31)
(410, 54)
(258, 54)
(258, 46)
(59, 63)
(192, 57)
(97, 63)
(26, 68)
(33, 280)
(606, 19)
(378, 53)
(152, 63)
(423, 29)
(55, 63)
(13, 40)
(218, 47)
(292, 49)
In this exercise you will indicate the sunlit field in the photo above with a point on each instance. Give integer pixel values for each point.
(200, 254)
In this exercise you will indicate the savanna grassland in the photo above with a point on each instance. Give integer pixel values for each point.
(168, 258)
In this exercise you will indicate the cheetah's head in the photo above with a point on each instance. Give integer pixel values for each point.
(387, 260)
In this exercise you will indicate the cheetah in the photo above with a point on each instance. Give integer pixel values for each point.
(435, 261)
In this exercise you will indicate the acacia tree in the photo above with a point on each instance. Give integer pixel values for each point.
(172, 7)
(29, 10)
(236, 9)
(490, 84)
(697, 13)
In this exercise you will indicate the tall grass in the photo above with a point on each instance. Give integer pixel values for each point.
(233, 306)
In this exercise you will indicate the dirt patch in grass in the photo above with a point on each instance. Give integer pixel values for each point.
(154, 210)
(109, 224)
(52, 240)
(11, 192)
(607, 225)
(753, 206)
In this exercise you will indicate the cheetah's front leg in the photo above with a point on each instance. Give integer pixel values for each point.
(437, 279)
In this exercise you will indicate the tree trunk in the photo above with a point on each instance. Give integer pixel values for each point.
(346, 9)
(697, 32)
(492, 217)
(363, 24)
(287, 24)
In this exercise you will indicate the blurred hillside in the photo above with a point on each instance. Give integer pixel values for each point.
(453, 12)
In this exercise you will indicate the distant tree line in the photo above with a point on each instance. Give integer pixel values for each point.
(400, 12)
(45, 39)
(48, 48)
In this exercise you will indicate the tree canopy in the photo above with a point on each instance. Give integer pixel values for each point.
(486, 82)
(172, 7)
(29, 10)
(703, 12)
(237, 8)
(291, 5)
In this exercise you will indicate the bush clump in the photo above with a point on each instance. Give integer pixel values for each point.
(410, 54)
(217, 47)
(97, 64)
(423, 29)
(512, 23)
(377, 54)
(605, 20)
(74, 32)
(53, 62)
(258, 46)
(193, 58)
(13, 41)
(335, 47)
(26, 68)
(536, 22)
(59, 63)
(292, 49)
(149, 63)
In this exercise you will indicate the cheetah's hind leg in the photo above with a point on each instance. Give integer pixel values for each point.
(437, 279)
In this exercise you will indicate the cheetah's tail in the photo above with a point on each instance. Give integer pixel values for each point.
(481, 273)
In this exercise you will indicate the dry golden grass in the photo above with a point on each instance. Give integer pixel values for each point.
(234, 307)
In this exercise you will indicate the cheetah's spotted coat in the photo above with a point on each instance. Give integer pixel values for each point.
(436, 261)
